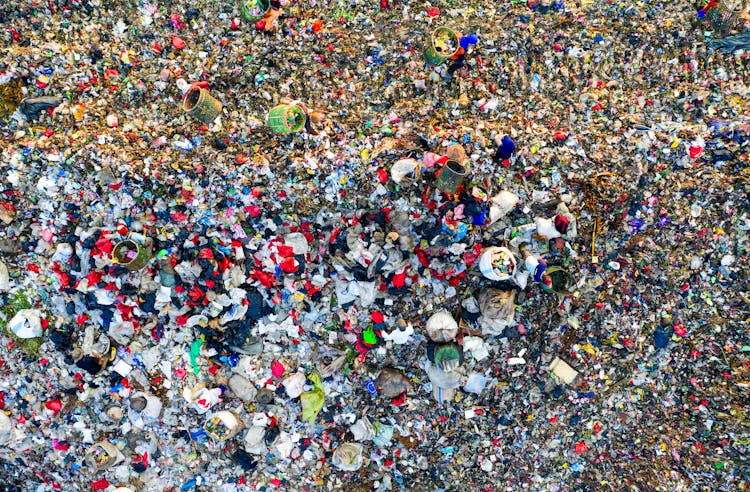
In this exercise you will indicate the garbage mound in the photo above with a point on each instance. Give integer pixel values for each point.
(327, 245)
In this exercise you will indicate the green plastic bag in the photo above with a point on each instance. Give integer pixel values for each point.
(312, 401)
(195, 352)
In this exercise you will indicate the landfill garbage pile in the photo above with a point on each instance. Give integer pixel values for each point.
(329, 245)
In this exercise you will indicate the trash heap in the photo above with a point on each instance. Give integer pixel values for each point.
(374, 246)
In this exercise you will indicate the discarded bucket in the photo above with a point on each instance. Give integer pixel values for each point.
(201, 105)
(442, 44)
(451, 177)
(717, 15)
(446, 356)
(131, 254)
(254, 10)
(103, 455)
(560, 278)
(286, 118)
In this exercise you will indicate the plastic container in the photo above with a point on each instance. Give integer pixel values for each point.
(442, 44)
(561, 280)
(446, 353)
(254, 10)
(201, 105)
(286, 118)
(131, 254)
(451, 177)
(720, 17)
(167, 273)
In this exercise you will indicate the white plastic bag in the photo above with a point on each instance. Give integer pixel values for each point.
(497, 263)
(403, 168)
(201, 399)
(348, 457)
(399, 336)
(4, 277)
(6, 428)
(26, 323)
(441, 327)
(254, 442)
(498, 310)
(475, 383)
(362, 430)
(242, 388)
(294, 384)
(501, 204)
(298, 242)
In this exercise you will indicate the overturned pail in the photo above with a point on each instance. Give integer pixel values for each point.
(451, 177)
(132, 254)
(718, 16)
(254, 10)
(447, 356)
(286, 118)
(560, 280)
(441, 44)
(201, 105)
(103, 455)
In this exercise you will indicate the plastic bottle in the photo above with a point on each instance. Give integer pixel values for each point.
(166, 272)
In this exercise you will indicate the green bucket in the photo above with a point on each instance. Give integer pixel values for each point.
(451, 177)
(447, 352)
(286, 118)
(200, 104)
(720, 18)
(442, 44)
(254, 10)
(132, 255)
(561, 280)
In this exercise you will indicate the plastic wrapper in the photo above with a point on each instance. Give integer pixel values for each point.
(497, 310)
(26, 324)
(348, 456)
(441, 327)
(312, 401)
